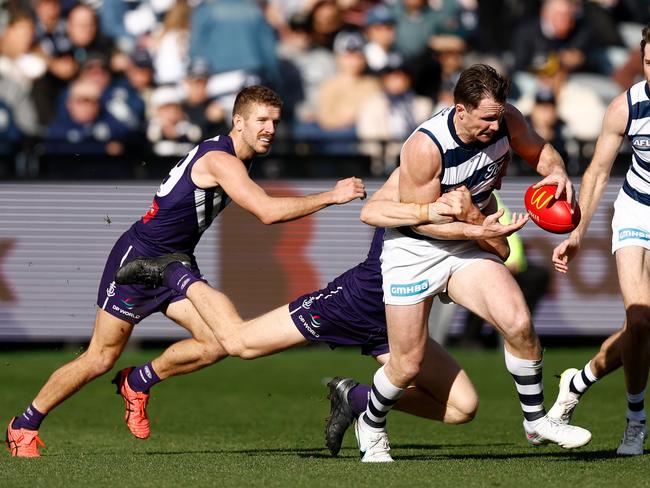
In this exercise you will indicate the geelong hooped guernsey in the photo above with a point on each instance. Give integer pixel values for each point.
(637, 179)
(476, 165)
(181, 211)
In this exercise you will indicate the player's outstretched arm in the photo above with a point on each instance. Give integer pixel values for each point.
(384, 209)
(229, 172)
(595, 179)
(538, 153)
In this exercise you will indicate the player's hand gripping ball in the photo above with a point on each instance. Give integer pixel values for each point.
(548, 213)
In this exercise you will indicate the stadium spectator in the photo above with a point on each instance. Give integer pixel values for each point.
(578, 105)
(324, 22)
(305, 66)
(169, 130)
(627, 118)
(341, 96)
(83, 32)
(83, 127)
(50, 34)
(380, 33)
(19, 120)
(130, 23)
(170, 45)
(545, 120)
(208, 114)
(557, 30)
(18, 62)
(233, 35)
(84, 40)
(417, 22)
(188, 201)
(139, 81)
(387, 118)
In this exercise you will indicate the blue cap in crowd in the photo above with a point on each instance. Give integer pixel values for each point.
(380, 14)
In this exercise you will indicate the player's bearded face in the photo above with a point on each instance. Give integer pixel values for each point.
(646, 62)
(259, 127)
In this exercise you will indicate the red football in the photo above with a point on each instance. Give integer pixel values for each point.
(551, 214)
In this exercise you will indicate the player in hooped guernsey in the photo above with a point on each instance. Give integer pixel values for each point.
(628, 116)
(461, 148)
(186, 203)
(477, 167)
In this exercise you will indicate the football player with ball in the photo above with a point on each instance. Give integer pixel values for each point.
(627, 117)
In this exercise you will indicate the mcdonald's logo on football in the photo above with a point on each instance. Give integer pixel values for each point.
(540, 198)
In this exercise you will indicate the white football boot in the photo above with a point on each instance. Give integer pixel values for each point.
(633, 439)
(547, 430)
(566, 401)
(373, 446)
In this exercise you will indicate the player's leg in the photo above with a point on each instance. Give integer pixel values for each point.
(110, 335)
(574, 383)
(268, 334)
(407, 340)
(487, 288)
(633, 263)
(182, 357)
(441, 390)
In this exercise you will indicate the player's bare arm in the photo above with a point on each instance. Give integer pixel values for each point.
(384, 209)
(595, 178)
(229, 172)
(538, 153)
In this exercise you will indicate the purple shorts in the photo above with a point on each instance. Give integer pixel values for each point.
(132, 303)
(333, 316)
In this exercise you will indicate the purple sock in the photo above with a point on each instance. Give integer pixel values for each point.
(142, 378)
(30, 419)
(178, 277)
(358, 398)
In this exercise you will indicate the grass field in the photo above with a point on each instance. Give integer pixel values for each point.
(260, 423)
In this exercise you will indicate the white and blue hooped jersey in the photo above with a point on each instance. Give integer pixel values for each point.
(637, 179)
(476, 165)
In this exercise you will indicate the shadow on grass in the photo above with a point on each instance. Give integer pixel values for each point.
(557, 456)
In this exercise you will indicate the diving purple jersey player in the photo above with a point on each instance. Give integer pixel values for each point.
(188, 200)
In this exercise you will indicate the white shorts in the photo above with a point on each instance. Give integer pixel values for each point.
(414, 269)
(631, 223)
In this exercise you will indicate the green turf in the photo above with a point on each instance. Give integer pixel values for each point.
(260, 423)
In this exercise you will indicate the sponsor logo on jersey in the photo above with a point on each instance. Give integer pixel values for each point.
(127, 303)
(642, 143)
(110, 291)
(540, 198)
(315, 320)
(632, 233)
(409, 289)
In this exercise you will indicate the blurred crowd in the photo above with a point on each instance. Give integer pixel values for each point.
(156, 76)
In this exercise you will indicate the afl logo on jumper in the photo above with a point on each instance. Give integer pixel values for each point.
(642, 143)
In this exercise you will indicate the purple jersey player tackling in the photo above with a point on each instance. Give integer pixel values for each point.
(188, 200)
